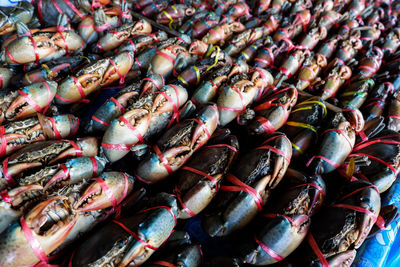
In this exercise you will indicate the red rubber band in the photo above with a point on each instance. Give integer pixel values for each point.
(132, 128)
(162, 159)
(6, 197)
(55, 130)
(94, 165)
(135, 236)
(9, 179)
(330, 162)
(72, 6)
(33, 242)
(78, 151)
(268, 250)
(317, 251)
(275, 150)
(240, 186)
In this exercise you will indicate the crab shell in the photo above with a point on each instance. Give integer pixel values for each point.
(220, 33)
(311, 112)
(95, 198)
(110, 110)
(154, 168)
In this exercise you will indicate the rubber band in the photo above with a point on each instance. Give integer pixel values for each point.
(121, 77)
(4, 141)
(185, 208)
(375, 141)
(163, 263)
(94, 165)
(142, 180)
(215, 61)
(33, 242)
(78, 151)
(100, 121)
(72, 6)
(296, 147)
(9, 179)
(171, 20)
(302, 125)
(161, 207)
(330, 162)
(209, 177)
(55, 130)
(132, 128)
(275, 150)
(6, 197)
(268, 250)
(239, 110)
(175, 107)
(239, 186)
(39, 7)
(60, 11)
(313, 244)
(121, 147)
(355, 208)
(234, 149)
(154, 82)
(102, 27)
(163, 160)
(202, 126)
(135, 236)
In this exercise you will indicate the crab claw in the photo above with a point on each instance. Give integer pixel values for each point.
(69, 40)
(95, 197)
(64, 125)
(176, 93)
(198, 48)
(21, 194)
(164, 162)
(49, 223)
(32, 99)
(122, 64)
(355, 117)
(87, 145)
(238, 68)
(119, 137)
(209, 116)
(234, 99)
(22, 51)
(152, 83)
(78, 169)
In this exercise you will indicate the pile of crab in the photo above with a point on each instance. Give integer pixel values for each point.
(214, 133)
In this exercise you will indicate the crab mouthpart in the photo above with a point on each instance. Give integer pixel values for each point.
(48, 217)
